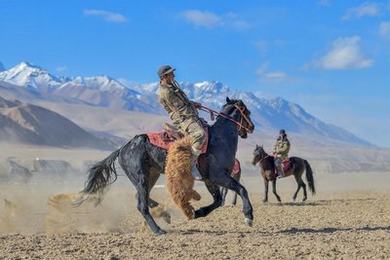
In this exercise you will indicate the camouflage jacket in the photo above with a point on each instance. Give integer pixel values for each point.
(282, 147)
(180, 109)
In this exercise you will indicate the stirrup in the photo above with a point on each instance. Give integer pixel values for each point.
(195, 173)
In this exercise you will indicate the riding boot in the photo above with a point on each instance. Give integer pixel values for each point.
(194, 169)
(279, 168)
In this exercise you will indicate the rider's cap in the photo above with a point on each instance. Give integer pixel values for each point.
(282, 132)
(165, 69)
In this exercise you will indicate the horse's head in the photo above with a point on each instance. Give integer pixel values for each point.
(258, 154)
(242, 115)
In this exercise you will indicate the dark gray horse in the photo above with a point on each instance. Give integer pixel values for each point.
(144, 162)
(267, 167)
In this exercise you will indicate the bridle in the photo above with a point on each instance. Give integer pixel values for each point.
(239, 124)
(265, 157)
(244, 117)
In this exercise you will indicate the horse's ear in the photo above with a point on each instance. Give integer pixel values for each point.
(227, 100)
(257, 146)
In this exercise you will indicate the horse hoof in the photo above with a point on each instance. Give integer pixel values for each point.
(304, 199)
(265, 201)
(249, 222)
(160, 232)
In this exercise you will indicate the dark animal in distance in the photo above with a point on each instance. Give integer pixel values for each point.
(267, 168)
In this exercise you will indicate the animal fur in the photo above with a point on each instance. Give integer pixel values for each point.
(179, 180)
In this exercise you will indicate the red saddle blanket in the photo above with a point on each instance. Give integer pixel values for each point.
(286, 165)
(165, 138)
(236, 168)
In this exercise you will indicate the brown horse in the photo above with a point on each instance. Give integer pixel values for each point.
(297, 167)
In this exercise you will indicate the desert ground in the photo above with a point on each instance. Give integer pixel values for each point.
(349, 217)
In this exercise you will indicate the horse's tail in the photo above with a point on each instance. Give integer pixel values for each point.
(100, 176)
(309, 177)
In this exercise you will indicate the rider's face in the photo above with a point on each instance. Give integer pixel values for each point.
(169, 77)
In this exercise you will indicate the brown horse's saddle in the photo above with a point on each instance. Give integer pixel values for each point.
(286, 164)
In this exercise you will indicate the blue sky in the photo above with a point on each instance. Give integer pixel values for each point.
(331, 57)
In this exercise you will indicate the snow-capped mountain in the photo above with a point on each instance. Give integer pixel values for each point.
(99, 90)
(2, 68)
(107, 92)
(30, 76)
(268, 114)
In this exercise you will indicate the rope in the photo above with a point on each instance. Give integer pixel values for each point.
(213, 112)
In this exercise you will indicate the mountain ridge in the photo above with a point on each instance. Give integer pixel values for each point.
(268, 114)
(31, 124)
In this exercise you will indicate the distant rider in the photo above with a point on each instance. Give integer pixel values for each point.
(281, 149)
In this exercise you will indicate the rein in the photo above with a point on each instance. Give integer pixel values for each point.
(264, 158)
(243, 116)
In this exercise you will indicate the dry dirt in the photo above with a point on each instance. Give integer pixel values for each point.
(338, 222)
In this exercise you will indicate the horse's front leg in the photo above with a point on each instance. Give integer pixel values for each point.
(215, 192)
(225, 180)
(266, 182)
(274, 190)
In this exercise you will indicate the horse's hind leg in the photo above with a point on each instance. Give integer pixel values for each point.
(274, 191)
(215, 192)
(301, 184)
(143, 204)
(304, 190)
(138, 176)
(299, 187)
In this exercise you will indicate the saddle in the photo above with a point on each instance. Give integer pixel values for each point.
(170, 134)
(286, 164)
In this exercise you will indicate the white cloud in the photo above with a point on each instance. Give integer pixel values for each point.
(202, 18)
(211, 20)
(366, 9)
(263, 72)
(61, 69)
(345, 53)
(106, 15)
(384, 29)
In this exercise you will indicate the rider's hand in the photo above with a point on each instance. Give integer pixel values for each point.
(196, 104)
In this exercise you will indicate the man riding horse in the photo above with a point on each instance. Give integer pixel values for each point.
(280, 151)
(143, 162)
(183, 113)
